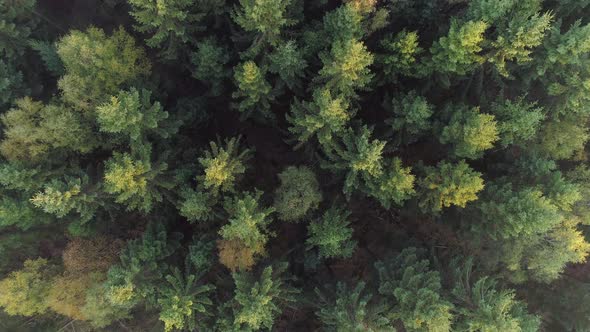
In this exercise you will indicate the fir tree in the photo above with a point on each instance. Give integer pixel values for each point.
(332, 234)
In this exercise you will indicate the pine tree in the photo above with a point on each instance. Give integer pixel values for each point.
(223, 166)
(132, 114)
(298, 193)
(325, 117)
(332, 234)
(458, 52)
(98, 65)
(343, 23)
(411, 117)
(352, 310)
(260, 300)
(48, 53)
(415, 289)
(254, 92)
(134, 182)
(470, 132)
(449, 184)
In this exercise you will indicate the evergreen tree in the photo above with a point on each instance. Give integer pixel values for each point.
(298, 193)
(415, 289)
(400, 55)
(209, 64)
(223, 165)
(332, 234)
(352, 310)
(394, 186)
(518, 121)
(411, 117)
(449, 184)
(254, 92)
(259, 300)
(287, 61)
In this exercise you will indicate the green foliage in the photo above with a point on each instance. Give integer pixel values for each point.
(134, 182)
(411, 116)
(197, 205)
(130, 113)
(11, 83)
(98, 65)
(33, 130)
(470, 132)
(459, 52)
(346, 67)
(181, 300)
(332, 234)
(400, 57)
(223, 165)
(247, 221)
(484, 308)
(394, 185)
(287, 61)
(254, 91)
(343, 23)
(48, 53)
(352, 310)
(260, 300)
(518, 121)
(24, 292)
(16, 25)
(265, 17)
(415, 289)
(209, 63)
(449, 184)
(298, 194)
(326, 116)
(563, 138)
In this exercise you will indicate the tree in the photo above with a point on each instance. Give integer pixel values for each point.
(394, 185)
(254, 91)
(332, 234)
(346, 67)
(209, 63)
(33, 130)
(410, 117)
(197, 205)
(343, 23)
(287, 61)
(360, 157)
(259, 300)
(132, 114)
(266, 18)
(458, 52)
(298, 194)
(11, 83)
(518, 121)
(247, 224)
(449, 184)
(25, 291)
(325, 117)
(506, 212)
(352, 310)
(470, 132)
(400, 55)
(561, 139)
(17, 23)
(415, 289)
(98, 65)
(134, 182)
(181, 300)
(223, 166)
(481, 307)
(170, 24)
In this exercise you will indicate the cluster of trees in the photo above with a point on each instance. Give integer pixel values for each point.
(257, 165)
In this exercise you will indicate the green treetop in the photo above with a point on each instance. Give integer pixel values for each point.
(134, 182)
(411, 117)
(209, 61)
(332, 234)
(563, 138)
(254, 92)
(415, 290)
(346, 67)
(449, 184)
(352, 310)
(130, 113)
(343, 23)
(98, 65)
(325, 117)
(16, 25)
(400, 57)
(260, 300)
(458, 52)
(518, 121)
(223, 166)
(287, 61)
(470, 132)
(298, 194)
(394, 185)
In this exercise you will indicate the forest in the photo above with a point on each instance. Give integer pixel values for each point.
(294, 165)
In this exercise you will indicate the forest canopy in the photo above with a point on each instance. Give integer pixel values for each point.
(295, 165)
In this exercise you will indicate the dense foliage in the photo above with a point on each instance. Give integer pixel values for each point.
(295, 165)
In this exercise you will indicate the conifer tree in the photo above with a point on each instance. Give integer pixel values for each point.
(411, 117)
(394, 185)
(260, 299)
(254, 92)
(223, 165)
(332, 234)
(518, 121)
(298, 193)
(415, 290)
(287, 61)
(17, 23)
(209, 64)
(400, 55)
(354, 310)
(449, 184)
